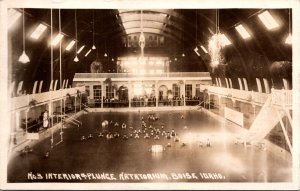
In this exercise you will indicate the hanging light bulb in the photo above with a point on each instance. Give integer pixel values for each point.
(105, 55)
(112, 59)
(288, 40)
(183, 55)
(24, 58)
(93, 47)
(76, 59)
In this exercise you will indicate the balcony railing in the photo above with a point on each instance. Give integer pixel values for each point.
(279, 97)
(282, 97)
(130, 75)
(23, 101)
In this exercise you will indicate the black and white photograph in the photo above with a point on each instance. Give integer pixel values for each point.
(127, 94)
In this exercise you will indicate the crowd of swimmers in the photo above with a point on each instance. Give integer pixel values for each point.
(128, 132)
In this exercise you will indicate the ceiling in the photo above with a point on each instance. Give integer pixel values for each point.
(182, 29)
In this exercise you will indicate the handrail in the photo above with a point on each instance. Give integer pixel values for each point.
(131, 75)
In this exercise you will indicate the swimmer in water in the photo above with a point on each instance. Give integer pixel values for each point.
(124, 126)
(83, 138)
(46, 155)
(146, 136)
(173, 133)
(90, 136)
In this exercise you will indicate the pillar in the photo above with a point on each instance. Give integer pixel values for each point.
(129, 93)
(102, 93)
(156, 93)
(184, 93)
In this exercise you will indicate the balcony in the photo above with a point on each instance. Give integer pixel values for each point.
(281, 98)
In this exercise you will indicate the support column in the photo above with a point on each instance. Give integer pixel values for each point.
(208, 101)
(284, 132)
(102, 94)
(79, 101)
(184, 93)
(156, 93)
(75, 104)
(129, 93)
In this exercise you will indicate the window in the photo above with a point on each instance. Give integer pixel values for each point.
(267, 19)
(197, 90)
(242, 31)
(188, 90)
(81, 48)
(109, 92)
(97, 92)
(13, 16)
(70, 45)
(38, 31)
(176, 90)
(150, 37)
(57, 39)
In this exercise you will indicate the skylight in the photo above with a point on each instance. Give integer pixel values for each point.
(88, 53)
(38, 31)
(242, 31)
(268, 20)
(13, 16)
(204, 49)
(152, 19)
(225, 40)
(81, 48)
(70, 45)
(57, 39)
(196, 51)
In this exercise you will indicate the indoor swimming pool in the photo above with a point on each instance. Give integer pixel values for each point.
(203, 150)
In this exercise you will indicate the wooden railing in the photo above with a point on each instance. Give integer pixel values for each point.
(24, 100)
(282, 97)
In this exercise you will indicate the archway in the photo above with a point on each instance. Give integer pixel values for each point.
(123, 93)
(162, 92)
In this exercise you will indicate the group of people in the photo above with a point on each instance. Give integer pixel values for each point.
(145, 131)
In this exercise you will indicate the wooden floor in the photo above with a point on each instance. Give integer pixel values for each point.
(119, 160)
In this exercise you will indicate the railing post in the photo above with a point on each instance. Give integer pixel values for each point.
(184, 104)
(156, 93)
(102, 94)
(282, 97)
(129, 94)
